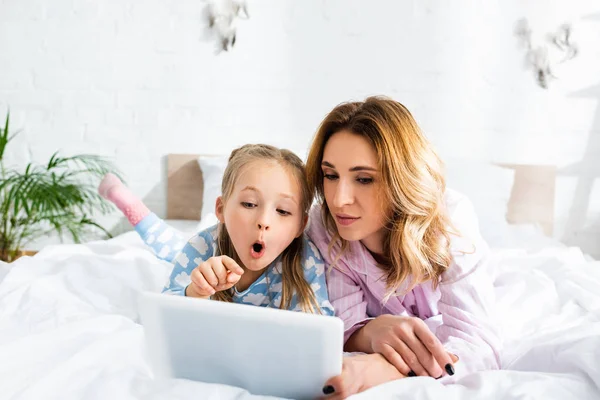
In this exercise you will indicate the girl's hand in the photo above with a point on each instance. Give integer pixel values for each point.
(213, 275)
(408, 344)
(360, 373)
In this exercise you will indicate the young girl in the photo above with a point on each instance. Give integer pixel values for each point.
(257, 254)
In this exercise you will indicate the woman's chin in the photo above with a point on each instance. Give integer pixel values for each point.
(350, 234)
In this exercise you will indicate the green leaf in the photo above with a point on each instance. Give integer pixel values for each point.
(55, 198)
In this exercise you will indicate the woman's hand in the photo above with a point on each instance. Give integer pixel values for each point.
(213, 275)
(360, 373)
(408, 344)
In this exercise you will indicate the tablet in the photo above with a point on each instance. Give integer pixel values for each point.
(263, 350)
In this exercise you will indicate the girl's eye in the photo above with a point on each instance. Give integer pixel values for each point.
(283, 212)
(248, 205)
(330, 177)
(365, 181)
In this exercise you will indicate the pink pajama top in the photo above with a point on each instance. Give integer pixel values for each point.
(458, 311)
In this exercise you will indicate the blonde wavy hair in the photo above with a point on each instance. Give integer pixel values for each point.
(292, 274)
(416, 245)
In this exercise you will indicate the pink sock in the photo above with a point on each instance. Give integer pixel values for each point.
(112, 189)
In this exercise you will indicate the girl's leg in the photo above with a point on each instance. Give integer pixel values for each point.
(165, 241)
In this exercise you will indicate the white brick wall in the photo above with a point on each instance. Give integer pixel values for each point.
(135, 80)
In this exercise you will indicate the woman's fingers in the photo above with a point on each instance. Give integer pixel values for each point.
(396, 360)
(335, 388)
(409, 357)
(360, 373)
(435, 348)
(424, 356)
(454, 358)
(348, 383)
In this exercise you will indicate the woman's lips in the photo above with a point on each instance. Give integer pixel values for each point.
(345, 220)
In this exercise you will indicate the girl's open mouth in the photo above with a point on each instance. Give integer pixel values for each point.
(257, 249)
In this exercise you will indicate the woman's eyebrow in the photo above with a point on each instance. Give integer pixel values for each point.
(362, 168)
(353, 169)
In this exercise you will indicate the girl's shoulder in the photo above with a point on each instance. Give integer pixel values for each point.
(204, 242)
(209, 234)
(312, 260)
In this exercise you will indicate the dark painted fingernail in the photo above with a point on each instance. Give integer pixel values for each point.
(439, 377)
(328, 389)
(411, 373)
(449, 369)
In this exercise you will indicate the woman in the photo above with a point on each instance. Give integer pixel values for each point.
(407, 263)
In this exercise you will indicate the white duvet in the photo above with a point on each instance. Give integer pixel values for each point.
(69, 329)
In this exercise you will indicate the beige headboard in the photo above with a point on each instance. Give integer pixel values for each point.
(531, 198)
(184, 187)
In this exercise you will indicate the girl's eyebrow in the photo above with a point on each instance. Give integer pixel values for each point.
(284, 195)
(353, 169)
(252, 188)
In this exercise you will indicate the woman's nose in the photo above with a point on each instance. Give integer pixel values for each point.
(343, 195)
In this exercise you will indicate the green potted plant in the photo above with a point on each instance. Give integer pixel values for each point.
(59, 197)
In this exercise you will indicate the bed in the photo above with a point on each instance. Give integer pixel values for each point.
(69, 325)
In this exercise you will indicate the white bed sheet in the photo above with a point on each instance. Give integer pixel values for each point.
(69, 328)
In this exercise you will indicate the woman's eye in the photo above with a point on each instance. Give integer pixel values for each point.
(330, 177)
(365, 181)
(283, 212)
(248, 205)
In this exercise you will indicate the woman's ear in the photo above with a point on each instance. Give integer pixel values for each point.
(303, 226)
(219, 207)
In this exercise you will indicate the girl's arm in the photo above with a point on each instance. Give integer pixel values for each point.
(314, 273)
(197, 250)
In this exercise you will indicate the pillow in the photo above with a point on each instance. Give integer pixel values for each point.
(212, 168)
(207, 221)
(488, 187)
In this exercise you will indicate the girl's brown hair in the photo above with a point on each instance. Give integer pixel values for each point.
(292, 274)
(416, 246)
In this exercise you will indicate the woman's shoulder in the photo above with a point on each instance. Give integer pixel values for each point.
(467, 246)
(461, 213)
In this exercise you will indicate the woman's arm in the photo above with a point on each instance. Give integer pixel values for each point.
(348, 300)
(467, 298)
